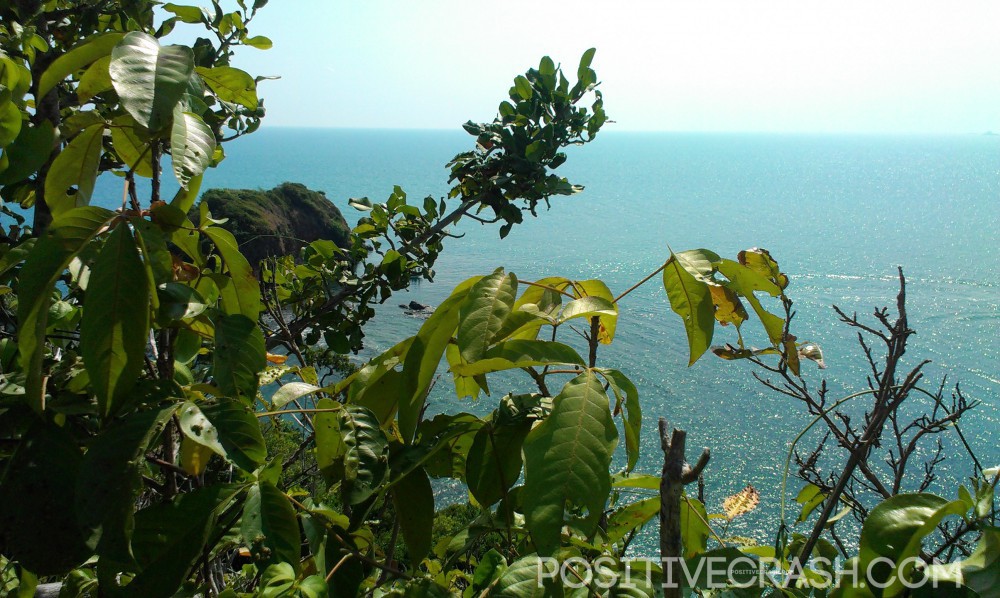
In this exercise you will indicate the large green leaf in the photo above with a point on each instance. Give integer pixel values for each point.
(489, 302)
(627, 395)
(111, 478)
(587, 307)
(413, 501)
(231, 85)
(895, 530)
(493, 464)
(238, 433)
(269, 523)
(521, 579)
(520, 354)
(65, 237)
(76, 59)
(150, 79)
(247, 287)
(423, 356)
(115, 325)
(192, 144)
(239, 356)
(170, 537)
(73, 173)
(690, 299)
(351, 449)
(567, 458)
(38, 492)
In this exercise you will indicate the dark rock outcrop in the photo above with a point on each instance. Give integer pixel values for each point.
(276, 222)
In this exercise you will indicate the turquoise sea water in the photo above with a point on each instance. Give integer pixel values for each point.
(839, 213)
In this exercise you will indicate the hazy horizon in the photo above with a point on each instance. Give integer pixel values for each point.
(728, 66)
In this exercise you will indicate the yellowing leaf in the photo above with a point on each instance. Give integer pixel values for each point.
(742, 502)
(194, 456)
(728, 308)
(278, 359)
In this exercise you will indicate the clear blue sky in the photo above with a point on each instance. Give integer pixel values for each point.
(722, 65)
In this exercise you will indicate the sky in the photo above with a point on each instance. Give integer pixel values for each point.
(886, 66)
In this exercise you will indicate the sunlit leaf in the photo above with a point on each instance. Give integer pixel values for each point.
(566, 461)
(150, 79)
(742, 502)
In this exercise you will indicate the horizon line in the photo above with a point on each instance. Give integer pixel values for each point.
(458, 128)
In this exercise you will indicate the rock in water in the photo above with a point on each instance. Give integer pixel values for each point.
(276, 222)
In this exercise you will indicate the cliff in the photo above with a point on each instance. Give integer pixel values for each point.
(276, 222)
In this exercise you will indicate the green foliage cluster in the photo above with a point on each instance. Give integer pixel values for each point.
(153, 446)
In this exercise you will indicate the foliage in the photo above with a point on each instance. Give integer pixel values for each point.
(150, 435)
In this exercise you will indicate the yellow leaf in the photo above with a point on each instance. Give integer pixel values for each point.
(194, 456)
(728, 308)
(742, 502)
(278, 359)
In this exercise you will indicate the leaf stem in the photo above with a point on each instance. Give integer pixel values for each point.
(641, 282)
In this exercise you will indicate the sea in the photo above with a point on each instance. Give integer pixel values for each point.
(840, 214)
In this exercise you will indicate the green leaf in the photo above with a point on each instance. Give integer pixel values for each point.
(493, 464)
(567, 458)
(111, 479)
(38, 494)
(269, 521)
(150, 79)
(239, 356)
(195, 425)
(238, 433)
(115, 325)
(95, 80)
(352, 449)
(330, 447)
(132, 145)
(523, 87)
(11, 122)
(810, 497)
(65, 237)
(192, 144)
(631, 516)
(366, 457)
(895, 529)
(187, 14)
(694, 527)
(291, 392)
(413, 501)
(520, 354)
(597, 288)
(170, 537)
(258, 41)
(247, 287)
(587, 307)
(690, 299)
(521, 578)
(73, 173)
(489, 302)
(231, 85)
(628, 395)
(28, 153)
(76, 59)
(422, 359)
